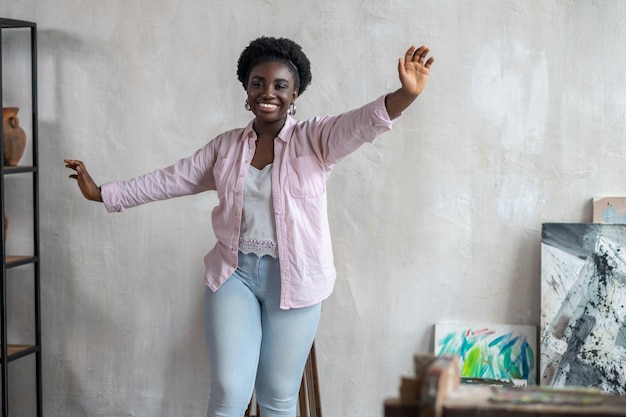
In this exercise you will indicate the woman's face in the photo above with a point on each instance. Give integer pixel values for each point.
(271, 89)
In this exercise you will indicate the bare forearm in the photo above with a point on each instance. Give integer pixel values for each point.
(397, 102)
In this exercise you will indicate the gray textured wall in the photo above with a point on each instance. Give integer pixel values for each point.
(440, 219)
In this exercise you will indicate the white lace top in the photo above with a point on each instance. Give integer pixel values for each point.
(258, 227)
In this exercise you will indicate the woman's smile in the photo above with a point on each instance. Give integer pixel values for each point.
(269, 107)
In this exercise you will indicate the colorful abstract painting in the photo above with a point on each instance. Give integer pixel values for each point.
(493, 351)
(583, 306)
(611, 210)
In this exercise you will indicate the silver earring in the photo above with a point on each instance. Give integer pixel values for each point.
(292, 109)
(247, 106)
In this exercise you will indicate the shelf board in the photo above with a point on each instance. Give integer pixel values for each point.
(15, 349)
(18, 351)
(16, 260)
(19, 169)
(13, 23)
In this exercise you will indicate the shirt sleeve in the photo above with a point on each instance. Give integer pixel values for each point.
(342, 134)
(187, 176)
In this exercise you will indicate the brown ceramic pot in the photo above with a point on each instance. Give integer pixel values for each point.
(13, 136)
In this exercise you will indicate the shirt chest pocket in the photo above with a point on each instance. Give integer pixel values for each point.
(306, 177)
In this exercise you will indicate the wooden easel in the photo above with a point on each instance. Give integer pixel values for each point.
(309, 395)
(436, 391)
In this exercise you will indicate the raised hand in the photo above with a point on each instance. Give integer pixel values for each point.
(414, 69)
(87, 185)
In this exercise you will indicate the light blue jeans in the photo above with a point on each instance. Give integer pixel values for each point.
(253, 344)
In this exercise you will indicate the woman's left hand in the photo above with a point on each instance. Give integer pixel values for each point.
(414, 69)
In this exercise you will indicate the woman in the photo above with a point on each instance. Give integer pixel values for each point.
(272, 265)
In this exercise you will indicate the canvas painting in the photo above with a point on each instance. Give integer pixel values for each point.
(583, 306)
(490, 351)
(609, 210)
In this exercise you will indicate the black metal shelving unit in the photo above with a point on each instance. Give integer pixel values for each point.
(12, 352)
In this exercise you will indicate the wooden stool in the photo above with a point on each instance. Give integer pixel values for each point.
(309, 397)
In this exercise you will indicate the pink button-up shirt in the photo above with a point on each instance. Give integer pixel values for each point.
(304, 155)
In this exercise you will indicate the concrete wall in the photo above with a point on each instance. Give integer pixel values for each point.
(522, 123)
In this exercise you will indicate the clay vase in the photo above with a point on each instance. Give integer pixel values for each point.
(13, 136)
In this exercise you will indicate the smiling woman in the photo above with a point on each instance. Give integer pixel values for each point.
(272, 94)
(272, 265)
(274, 72)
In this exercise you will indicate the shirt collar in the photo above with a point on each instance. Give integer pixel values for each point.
(284, 134)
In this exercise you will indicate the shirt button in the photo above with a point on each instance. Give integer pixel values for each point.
(233, 249)
(241, 175)
(238, 192)
(234, 266)
(237, 214)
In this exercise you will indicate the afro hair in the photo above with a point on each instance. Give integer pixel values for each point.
(268, 49)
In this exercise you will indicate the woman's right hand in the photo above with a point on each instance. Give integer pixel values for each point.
(87, 186)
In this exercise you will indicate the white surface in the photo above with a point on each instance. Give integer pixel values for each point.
(522, 123)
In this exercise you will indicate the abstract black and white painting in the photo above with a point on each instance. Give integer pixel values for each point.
(583, 306)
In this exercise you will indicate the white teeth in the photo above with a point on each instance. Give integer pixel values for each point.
(267, 105)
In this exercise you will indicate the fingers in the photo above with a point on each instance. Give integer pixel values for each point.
(415, 54)
(77, 166)
(74, 164)
(401, 65)
(408, 57)
(71, 163)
